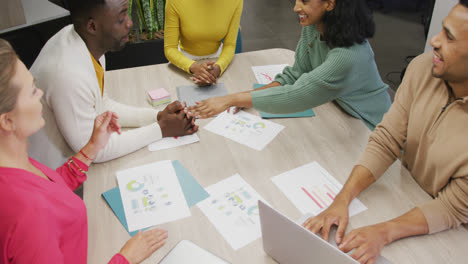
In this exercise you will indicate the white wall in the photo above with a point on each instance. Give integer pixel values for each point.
(441, 10)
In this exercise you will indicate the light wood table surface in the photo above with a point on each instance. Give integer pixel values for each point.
(332, 138)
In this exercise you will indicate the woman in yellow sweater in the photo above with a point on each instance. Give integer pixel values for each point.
(201, 29)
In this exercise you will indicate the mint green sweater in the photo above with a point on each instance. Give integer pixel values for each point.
(349, 76)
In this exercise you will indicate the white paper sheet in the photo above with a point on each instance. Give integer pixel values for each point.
(233, 209)
(245, 129)
(172, 142)
(188, 252)
(151, 195)
(312, 189)
(266, 74)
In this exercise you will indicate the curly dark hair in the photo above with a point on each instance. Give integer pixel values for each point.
(350, 22)
(464, 3)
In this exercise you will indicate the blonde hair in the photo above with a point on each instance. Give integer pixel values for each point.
(8, 94)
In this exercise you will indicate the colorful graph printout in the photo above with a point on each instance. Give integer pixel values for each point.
(233, 209)
(245, 129)
(151, 195)
(312, 189)
(266, 74)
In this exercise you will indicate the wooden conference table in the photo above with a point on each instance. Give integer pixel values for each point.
(332, 138)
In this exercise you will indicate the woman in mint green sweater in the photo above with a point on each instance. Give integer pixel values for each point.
(333, 62)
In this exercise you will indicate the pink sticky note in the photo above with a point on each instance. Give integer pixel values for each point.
(158, 94)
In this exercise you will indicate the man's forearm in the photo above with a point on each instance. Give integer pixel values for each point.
(412, 223)
(359, 180)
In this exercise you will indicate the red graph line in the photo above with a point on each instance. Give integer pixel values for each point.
(330, 190)
(313, 199)
(267, 76)
(318, 196)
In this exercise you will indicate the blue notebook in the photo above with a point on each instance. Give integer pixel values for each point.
(307, 113)
(193, 192)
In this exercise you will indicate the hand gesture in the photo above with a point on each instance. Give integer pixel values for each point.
(143, 244)
(209, 107)
(104, 125)
(172, 108)
(202, 73)
(199, 82)
(174, 122)
(335, 214)
(215, 71)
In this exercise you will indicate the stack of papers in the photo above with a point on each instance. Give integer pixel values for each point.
(159, 96)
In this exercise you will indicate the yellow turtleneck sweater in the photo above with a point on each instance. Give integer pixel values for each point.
(200, 26)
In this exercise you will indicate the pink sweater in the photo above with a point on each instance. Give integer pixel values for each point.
(43, 221)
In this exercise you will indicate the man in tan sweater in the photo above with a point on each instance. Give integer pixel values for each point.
(426, 127)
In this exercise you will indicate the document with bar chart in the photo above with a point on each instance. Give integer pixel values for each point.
(312, 189)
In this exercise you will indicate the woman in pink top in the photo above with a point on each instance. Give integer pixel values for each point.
(41, 219)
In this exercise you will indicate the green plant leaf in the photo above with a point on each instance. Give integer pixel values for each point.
(160, 5)
(130, 4)
(148, 17)
(154, 19)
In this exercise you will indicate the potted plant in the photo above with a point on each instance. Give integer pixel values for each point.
(150, 22)
(146, 40)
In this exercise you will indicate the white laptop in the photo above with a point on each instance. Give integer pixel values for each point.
(290, 243)
(187, 252)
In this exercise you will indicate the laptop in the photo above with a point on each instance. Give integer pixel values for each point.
(289, 243)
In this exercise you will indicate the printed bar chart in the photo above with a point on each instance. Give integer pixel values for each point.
(312, 189)
(311, 197)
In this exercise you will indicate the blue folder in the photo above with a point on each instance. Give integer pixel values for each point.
(193, 192)
(307, 113)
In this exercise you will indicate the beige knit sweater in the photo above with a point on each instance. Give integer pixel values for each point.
(433, 137)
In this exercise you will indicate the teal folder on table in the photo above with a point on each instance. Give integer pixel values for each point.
(193, 192)
(306, 113)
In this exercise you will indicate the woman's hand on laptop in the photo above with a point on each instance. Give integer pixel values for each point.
(335, 214)
(367, 241)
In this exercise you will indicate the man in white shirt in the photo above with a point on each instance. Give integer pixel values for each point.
(70, 70)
